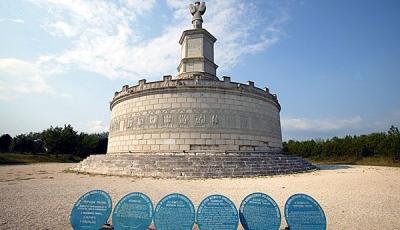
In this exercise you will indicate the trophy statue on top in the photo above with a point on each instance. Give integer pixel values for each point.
(197, 9)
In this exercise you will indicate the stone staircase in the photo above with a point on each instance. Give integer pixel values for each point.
(194, 165)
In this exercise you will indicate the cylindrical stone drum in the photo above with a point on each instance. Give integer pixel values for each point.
(194, 115)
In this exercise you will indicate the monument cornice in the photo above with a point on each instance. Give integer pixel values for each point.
(197, 31)
(193, 85)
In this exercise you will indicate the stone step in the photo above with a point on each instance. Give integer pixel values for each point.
(210, 165)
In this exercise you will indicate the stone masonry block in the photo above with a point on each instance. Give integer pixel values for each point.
(184, 147)
(165, 135)
(180, 141)
(195, 135)
(184, 135)
(164, 147)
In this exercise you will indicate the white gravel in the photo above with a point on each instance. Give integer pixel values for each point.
(41, 196)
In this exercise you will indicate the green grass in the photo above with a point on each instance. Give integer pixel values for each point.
(373, 161)
(19, 158)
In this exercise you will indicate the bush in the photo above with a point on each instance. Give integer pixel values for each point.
(350, 147)
(59, 141)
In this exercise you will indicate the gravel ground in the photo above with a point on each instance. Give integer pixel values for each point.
(41, 196)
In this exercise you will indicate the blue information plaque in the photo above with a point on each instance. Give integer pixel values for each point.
(91, 211)
(134, 211)
(302, 212)
(217, 212)
(258, 211)
(174, 212)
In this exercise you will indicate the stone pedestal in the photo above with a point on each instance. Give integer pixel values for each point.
(197, 55)
(195, 164)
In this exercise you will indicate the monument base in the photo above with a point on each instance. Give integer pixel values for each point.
(194, 165)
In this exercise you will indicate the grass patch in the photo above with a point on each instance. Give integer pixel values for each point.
(378, 161)
(373, 161)
(19, 158)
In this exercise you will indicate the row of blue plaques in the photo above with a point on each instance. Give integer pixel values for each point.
(135, 211)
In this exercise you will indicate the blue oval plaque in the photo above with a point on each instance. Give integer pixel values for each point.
(258, 211)
(217, 212)
(302, 212)
(91, 211)
(133, 211)
(174, 212)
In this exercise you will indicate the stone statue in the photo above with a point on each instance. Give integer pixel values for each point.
(197, 9)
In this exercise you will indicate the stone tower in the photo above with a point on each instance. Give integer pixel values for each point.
(197, 50)
(197, 55)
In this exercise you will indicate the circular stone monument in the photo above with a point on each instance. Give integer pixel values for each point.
(91, 211)
(217, 212)
(302, 212)
(174, 211)
(133, 211)
(195, 125)
(258, 211)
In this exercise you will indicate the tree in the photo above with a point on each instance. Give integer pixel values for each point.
(22, 143)
(5, 143)
(394, 131)
(38, 146)
(92, 144)
(103, 143)
(60, 140)
(349, 147)
(394, 140)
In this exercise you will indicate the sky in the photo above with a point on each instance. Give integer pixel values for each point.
(335, 65)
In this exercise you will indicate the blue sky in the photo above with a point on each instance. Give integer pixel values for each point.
(334, 64)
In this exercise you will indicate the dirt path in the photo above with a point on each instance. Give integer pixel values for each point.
(40, 196)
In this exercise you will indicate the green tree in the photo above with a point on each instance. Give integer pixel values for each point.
(61, 140)
(394, 143)
(22, 143)
(394, 131)
(5, 143)
(92, 144)
(349, 147)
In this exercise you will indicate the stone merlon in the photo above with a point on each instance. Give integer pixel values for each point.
(169, 85)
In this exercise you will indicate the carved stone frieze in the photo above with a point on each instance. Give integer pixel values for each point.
(209, 119)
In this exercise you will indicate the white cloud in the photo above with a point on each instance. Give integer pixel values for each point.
(15, 20)
(239, 26)
(22, 77)
(320, 125)
(306, 128)
(96, 127)
(63, 29)
(106, 40)
(242, 29)
(102, 34)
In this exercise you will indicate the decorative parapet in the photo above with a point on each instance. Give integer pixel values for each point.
(172, 85)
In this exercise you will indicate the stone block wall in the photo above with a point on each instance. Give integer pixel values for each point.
(192, 115)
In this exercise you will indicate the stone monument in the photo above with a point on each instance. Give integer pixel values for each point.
(196, 125)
